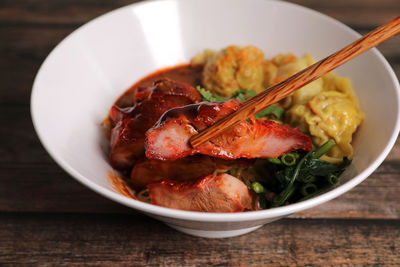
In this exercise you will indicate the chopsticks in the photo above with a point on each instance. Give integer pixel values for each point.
(279, 91)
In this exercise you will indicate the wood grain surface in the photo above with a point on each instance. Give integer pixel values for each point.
(75, 240)
(49, 219)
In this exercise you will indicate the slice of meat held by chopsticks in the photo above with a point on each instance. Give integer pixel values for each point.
(222, 193)
(169, 138)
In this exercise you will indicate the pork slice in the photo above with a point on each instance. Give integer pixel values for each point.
(186, 169)
(169, 138)
(222, 193)
(131, 123)
(166, 88)
(127, 143)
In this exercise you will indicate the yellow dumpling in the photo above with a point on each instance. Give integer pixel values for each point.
(283, 66)
(331, 114)
(234, 68)
(326, 108)
(340, 118)
(200, 59)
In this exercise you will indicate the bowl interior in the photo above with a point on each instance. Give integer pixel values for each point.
(83, 76)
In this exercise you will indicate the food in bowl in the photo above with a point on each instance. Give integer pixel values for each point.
(264, 162)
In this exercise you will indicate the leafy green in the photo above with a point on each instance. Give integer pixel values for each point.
(317, 167)
(241, 95)
(257, 187)
(262, 201)
(310, 171)
(332, 179)
(308, 189)
(208, 96)
(277, 111)
(324, 148)
(289, 159)
(251, 93)
(284, 175)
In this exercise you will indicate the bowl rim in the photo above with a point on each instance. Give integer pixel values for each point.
(210, 216)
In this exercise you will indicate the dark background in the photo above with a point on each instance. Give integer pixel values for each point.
(48, 218)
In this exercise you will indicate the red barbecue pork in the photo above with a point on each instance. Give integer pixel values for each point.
(222, 193)
(186, 169)
(131, 123)
(169, 138)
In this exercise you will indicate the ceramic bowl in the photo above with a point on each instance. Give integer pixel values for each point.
(82, 77)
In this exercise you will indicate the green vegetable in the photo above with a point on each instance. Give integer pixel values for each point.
(238, 92)
(283, 196)
(248, 93)
(324, 148)
(241, 97)
(274, 110)
(309, 175)
(308, 188)
(280, 199)
(208, 96)
(311, 169)
(251, 93)
(332, 179)
(308, 179)
(257, 187)
(243, 94)
(289, 159)
(274, 160)
(316, 167)
(284, 175)
(262, 200)
(323, 168)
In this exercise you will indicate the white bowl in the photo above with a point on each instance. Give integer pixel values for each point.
(82, 77)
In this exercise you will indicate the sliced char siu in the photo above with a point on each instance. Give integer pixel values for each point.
(186, 169)
(169, 138)
(222, 193)
(131, 123)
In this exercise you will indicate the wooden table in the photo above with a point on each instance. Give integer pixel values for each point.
(47, 218)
